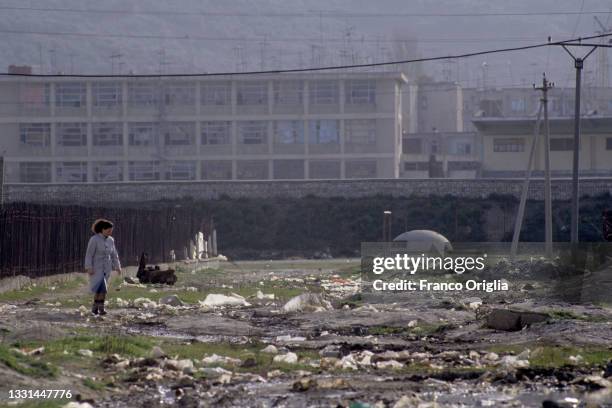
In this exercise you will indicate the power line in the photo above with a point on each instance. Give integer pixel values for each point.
(574, 41)
(310, 14)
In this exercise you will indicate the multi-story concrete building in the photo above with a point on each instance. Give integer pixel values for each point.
(506, 145)
(251, 127)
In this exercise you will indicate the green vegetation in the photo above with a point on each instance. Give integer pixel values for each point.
(55, 403)
(26, 365)
(566, 314)
(552, 356)
(37, 290)
(94, 384)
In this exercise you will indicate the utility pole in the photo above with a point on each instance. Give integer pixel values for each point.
(1, 181)
(521, 210)
(578, 64)
(547, 188)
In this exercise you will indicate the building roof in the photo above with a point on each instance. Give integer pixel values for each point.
(398, 76)
(526, 125)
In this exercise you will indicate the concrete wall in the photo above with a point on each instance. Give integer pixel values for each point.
(138, 192)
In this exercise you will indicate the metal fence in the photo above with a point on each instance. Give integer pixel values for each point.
(38, 240)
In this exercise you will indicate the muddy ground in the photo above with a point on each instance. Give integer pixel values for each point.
(341, 348)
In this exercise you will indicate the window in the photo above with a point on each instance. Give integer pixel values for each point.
(252, 170)
(252, 93)
(142, 134)
(361, 169)
(71, 172)
(107, 134)
(609, 143)
(288, 169)
(180, 94)
(288, 92)
(412, 146)
(463, 148)
(324, 92)
(106, 94)
(35, 172)
(181, 170)
(216, 133)
(35, 95)
(71, 134)
(142, 94)
(509, 145)
(323, 131)
(179, 134)
(143, 170)
(107, 171)
(70, 94)
(360, 131)
(215, 93)
(517, 105)
(35, 134)
(289, 132)
(463, 165)
(217, 170)
(253, 132)
(324, 169)
(361, 92)
(416, 166)
(561, 144)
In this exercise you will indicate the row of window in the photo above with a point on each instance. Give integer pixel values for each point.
(289, 92)
(557, 144)
(113, 171)
(357, 131)
(419, 146)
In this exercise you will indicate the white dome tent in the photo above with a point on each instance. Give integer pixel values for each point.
(425, 241)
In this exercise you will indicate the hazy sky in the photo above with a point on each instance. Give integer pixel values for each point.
(211, 36)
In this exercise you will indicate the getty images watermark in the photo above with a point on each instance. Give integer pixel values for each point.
(408, 264)
(392, 267)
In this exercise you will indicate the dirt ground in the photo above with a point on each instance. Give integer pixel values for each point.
(338, 347)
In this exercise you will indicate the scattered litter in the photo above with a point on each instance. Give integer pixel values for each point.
(307, 302)
(392, 364)
(270, 349)
(216, 300)
(216, 359)
(260, 295)
(145, 303)
(289, 358)
(85, 353)
(289, 338)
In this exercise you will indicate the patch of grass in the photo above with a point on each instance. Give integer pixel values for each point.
(26, 365)
(55, 403)
(133, 346)
(94, 384)
(553, 356)
(566, 314)
(39, 290)
(263, 361)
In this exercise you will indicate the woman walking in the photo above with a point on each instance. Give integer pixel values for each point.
(101, 259)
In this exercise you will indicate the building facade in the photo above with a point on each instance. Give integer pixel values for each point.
(255, 127)
(506, 143)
